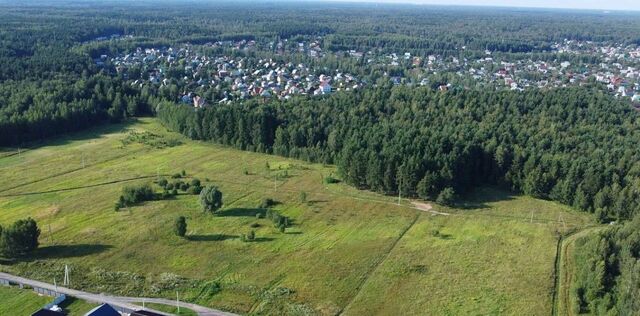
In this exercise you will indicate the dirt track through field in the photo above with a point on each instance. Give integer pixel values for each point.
(425, 207)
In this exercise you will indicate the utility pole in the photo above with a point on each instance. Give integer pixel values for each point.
(531, 216)
(66, 275)
(399, 190)
(178, 302)
(50, 238)
(55, 285)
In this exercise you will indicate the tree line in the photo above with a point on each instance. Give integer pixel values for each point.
(608, 272)
(577, 146)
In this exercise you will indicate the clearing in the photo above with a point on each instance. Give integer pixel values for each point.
(347, 250)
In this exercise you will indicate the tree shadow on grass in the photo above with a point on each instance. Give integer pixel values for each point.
(445, 236)
(60, 252)
(263, 239)
(216, 237)
(98, 130)
(313, 202)
(241, 212)
(480, 198)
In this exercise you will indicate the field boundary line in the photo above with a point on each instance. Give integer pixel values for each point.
(80, 187)
(377, 264)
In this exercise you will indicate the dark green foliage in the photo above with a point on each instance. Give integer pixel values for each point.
(378, 139)
(250, 236)
(170, 186)
(162, 182)
(267, 203)
(194, 190)
(180, 226)
(176, 176)
(19, 238)
(132, 195)
(277, 219)
(607, 271)
(211, 199)
(303, 197)
(195, 187)
(330, 180)
(447, 197)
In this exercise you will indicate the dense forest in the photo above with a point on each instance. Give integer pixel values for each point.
(608, 272)
(47, 52)
(576, 146)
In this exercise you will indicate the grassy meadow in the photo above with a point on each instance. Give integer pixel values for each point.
(24, 302)
(348, 251)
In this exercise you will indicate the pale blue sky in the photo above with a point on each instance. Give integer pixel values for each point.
(622, 5)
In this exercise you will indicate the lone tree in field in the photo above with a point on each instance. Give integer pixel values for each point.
(211, 199)
(19, 238)
(180, 226)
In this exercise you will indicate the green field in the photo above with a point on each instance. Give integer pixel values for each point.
(18, 302)
(348, 251)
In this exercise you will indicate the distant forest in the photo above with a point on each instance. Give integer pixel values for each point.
(49, 78)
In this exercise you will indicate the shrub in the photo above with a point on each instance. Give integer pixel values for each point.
(195, 190)
(446, 197)
(267, 203)
(211, 199)
(184, 187)
(180, 226)
(330, 180)
(169, 186)
(176, 176)
(251, 236)
(136, 194)
(303, 197)
(195, 182)
(163, 182)
(255, 225)
(282, 228)
(19, 238)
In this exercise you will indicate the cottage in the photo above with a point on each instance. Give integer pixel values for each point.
(47, 312)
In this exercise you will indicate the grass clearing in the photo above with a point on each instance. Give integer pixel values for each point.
(342, 253)
(15, 301)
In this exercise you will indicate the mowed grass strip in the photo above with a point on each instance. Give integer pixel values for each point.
(336, 240)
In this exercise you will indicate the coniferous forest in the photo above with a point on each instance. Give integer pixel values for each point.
(568, 145)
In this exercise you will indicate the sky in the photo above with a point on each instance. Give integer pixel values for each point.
(622, 5)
